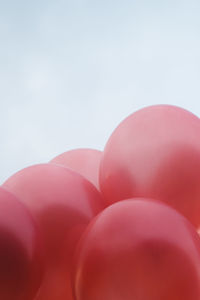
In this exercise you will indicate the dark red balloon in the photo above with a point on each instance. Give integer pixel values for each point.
(84, 161)
(21, 261)
(138, 249)
(155, 153)
(63, 203)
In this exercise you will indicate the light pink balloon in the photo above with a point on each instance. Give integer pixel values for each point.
(63, 203)
(155, 153)
(84, 161)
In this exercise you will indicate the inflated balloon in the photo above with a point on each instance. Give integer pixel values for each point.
(155, 153)
(21, 260)
(63, 203)
(84, 161)
(138, 249)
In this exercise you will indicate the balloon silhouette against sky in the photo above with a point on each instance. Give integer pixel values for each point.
(84, 161)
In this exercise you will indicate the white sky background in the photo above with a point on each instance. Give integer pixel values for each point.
(70, 71)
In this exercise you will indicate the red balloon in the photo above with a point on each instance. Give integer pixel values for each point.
(21, 263)
(84, 161)
(63, 203)
(155, 153)
(138, 249)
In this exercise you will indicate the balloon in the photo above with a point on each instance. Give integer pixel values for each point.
(138, 249)
(155, 153)
(84, 161)
(21, 262)
(63, 203)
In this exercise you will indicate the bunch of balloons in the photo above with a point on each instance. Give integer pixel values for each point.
(121, 224)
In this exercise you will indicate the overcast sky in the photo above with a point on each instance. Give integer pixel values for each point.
(70, 71)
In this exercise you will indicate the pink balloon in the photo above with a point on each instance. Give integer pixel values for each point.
(21, 259)
(63, 203)
(84, 161)
(138, 250)
(155, 153)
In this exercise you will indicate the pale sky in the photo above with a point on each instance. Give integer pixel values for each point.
(71, 71)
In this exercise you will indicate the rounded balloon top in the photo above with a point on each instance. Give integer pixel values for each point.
(155, 152)
(84, 161)
(63, 203)
(138, 249)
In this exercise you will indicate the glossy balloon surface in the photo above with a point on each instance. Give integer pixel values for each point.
(84, 161)
(21, 262)
(62, 202)
(155, 153)
(138, 249)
